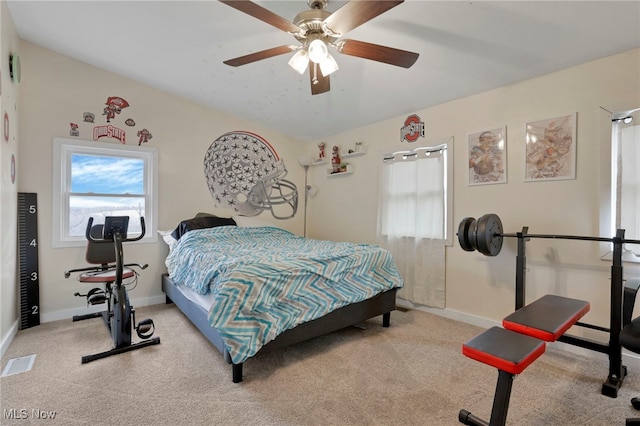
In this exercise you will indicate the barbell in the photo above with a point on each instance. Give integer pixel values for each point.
(486, 235)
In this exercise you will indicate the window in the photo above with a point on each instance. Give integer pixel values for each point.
(414, 200)
(414, 219)
(620, 153)
(95, 179)
(625, 141)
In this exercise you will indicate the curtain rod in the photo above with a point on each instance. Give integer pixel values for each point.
(414, 153)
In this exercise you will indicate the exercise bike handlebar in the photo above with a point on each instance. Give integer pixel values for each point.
(124, 240)
(117, 241)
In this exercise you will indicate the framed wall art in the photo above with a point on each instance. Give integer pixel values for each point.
(550, 152)
(487, 156)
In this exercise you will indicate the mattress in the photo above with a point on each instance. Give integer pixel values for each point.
(203, 300)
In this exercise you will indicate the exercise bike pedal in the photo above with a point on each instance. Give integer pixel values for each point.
(95, 296)
(97, 299)
(145, 328)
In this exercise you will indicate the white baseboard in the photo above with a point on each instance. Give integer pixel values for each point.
(6, 340)
(629, 359)
(451, 314)
(69, 313)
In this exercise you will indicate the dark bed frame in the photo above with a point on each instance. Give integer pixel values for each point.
(381, 304)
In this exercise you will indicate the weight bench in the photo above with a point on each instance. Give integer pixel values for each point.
(515, 347)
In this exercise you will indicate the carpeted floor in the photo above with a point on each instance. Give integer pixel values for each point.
(412, 373)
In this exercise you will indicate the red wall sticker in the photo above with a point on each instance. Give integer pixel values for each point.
(114, 105)
(109, 132)
(6, 127)
(143, 136)
(413, 129)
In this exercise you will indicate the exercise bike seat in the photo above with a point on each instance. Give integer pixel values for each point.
(104, 276)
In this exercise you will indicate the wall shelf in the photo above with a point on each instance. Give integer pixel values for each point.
(333, 175)
(349, 171)
(362, 151)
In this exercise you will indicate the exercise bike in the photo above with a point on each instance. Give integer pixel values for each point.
(104, 248)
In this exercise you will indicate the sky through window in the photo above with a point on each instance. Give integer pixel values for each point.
(106, 175)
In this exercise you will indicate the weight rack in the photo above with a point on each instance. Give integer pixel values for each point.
(486, 235)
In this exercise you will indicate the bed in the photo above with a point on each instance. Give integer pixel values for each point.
(250, 287)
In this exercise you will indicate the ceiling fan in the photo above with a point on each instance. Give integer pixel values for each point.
(316, 29)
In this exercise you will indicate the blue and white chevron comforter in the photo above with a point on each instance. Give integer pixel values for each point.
(266, 280)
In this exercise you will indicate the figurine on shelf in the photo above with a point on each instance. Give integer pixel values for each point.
(357, 148)
(321, 146)
(335, 160)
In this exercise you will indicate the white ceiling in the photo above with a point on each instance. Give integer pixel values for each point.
(465, 48)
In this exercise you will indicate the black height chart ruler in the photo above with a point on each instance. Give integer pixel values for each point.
(28, 252)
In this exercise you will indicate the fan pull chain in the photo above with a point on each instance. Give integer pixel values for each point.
(315, 73)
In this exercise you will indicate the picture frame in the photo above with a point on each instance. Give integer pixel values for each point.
(487, 153)
(550, 148)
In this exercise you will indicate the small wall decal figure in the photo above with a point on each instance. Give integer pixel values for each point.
(114, 105)
(74, 130)
(144, 135)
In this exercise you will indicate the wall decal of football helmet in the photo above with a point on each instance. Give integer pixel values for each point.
(245, 174)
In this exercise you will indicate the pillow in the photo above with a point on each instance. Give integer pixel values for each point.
(202, 214)
(168, 238)
(252, 222)
(216, 213)
(201, 223)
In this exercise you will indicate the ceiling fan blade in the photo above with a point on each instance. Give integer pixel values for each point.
(376, 52)
(355, 13)
(319, 83)
(259, 12)
(258, 56)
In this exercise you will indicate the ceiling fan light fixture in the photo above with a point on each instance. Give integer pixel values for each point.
(318, 28)
(328, 66)
(299, 61)
(318, 51)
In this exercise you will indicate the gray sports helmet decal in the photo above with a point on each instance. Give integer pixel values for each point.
(245, 174)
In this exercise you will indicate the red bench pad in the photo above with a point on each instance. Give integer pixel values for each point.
(547, 318)
(504, 349)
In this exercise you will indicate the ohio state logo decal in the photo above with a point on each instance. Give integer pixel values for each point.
(413, 129)
(109, 131)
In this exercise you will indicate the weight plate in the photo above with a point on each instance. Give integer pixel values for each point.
(471, 234)
(489, 234)
(463, 234)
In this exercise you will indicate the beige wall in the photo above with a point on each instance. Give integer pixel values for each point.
(8, 190)
(55, 91)
(346, 207)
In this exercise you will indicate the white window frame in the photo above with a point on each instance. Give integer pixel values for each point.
(608, 183)
(63, 149)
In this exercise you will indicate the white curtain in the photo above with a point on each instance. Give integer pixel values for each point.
(411, 222)
(628, 180)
